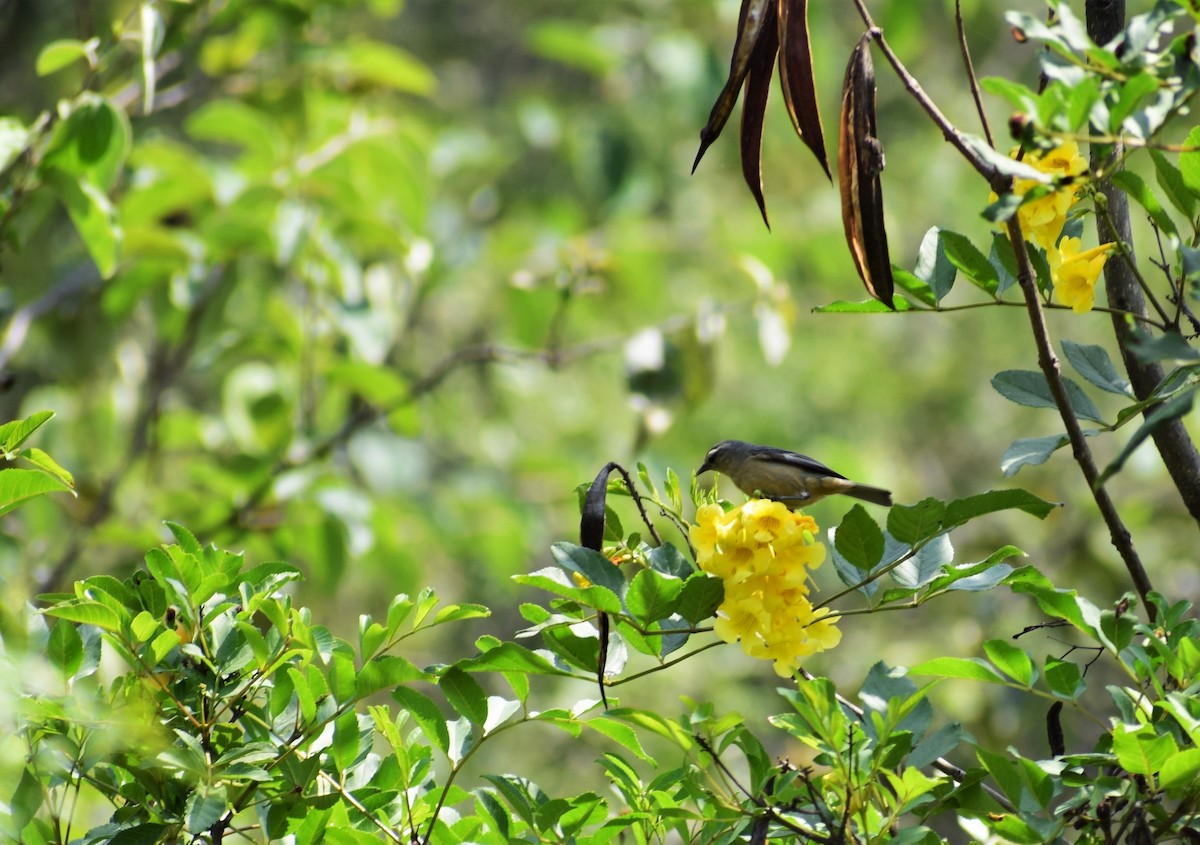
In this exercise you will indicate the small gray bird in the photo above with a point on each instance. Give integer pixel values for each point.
(794, 479)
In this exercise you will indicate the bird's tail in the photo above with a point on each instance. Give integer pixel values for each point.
(874, 495)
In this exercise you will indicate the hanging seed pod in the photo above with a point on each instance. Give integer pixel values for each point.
(796, 77)
(860, 161)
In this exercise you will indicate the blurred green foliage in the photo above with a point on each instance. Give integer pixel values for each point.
(371, 287)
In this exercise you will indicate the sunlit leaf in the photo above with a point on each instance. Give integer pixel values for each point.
(59, 54)
(18, 486)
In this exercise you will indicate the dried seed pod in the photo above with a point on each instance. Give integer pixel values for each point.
(860, 161)
(752, 20)
(796, 77)
(754, 109)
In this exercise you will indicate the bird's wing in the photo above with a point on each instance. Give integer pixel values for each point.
(795, 459)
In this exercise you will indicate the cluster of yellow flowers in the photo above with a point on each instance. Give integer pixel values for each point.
(763, 553)
(1073, 272)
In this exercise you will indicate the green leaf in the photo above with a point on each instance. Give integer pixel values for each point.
(1005, 263)
(1129, 95)
(573, 43)
(143, 626)
(912, 524)
(1021, 98)
(621, 733)
(1141, 751)
(94, 217)
(1136, 187)
(86, 612)
(376, 63)
(1170, 346)
(1170, 179)
(866, 306)
(967, 258)
(1029, 388)
(162, 645)
(933, 265)
(700, 597)
(510, 657)
(16, 432)
(670, 561)
(554, 580)
(464, 694)
(60, 54)
(14, 140)
(48, 465)
(976, 577)
(1031, 451)
(1173, 408)
(205, 807)
(653, 596)
(925, 564)
(90, 145)
(859, 539)
(1081, 97)
(1092, 362)
(385, 671)
(426, 714)
(1180, 770)
(1189, 162)
(591, 564)
(914, 287)
(305, 695)
(64, 649)
(1064, 679)
(1010, 660)
(1059, 604)
(1005, 164)
(26, 800)
(346, 740)
(962, 511)
(970, 669)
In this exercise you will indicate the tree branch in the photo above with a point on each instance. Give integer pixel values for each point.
(1105, 19)
(1048, 361)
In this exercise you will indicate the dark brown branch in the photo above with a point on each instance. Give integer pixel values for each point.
(1121, 539)
(1105, 19)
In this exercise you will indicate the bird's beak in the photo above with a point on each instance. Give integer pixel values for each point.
(704, 467)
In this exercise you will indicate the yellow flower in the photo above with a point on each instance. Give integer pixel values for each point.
(763, 552)
(1042, 220)
(1074, 273)
(712, 524)
(766, 520)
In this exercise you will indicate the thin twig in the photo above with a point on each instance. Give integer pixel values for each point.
(910, 83)
(969, 66)
(368, 414)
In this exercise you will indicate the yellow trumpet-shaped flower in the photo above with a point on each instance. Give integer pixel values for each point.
(1074, 273)
(1042, 219)
(763, 552)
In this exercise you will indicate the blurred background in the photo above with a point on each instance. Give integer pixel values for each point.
(399, 275)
